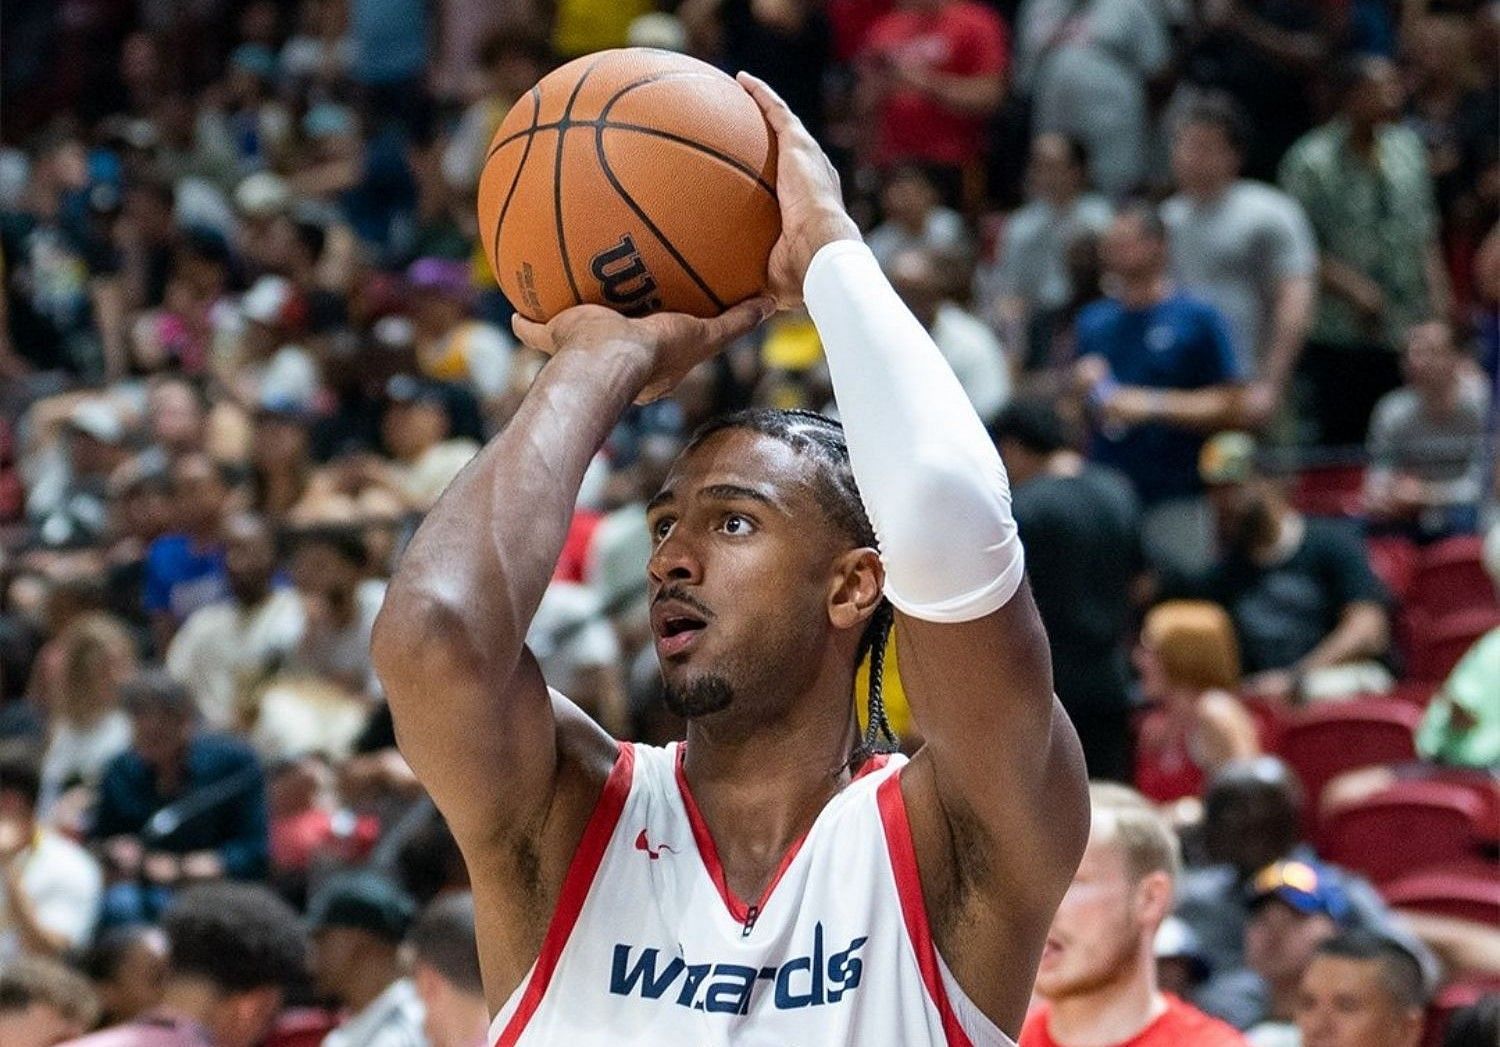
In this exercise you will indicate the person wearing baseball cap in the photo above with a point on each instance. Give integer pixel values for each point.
(1310, 615)
(358, 921)
(1295, 906)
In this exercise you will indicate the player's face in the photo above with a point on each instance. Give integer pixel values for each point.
(739, 576)
(1095, 935)
(1344, 1003)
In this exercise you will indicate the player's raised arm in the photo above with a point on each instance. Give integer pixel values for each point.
(472, 713)
(997, 796)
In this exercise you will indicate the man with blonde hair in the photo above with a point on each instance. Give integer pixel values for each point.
(1097, 978)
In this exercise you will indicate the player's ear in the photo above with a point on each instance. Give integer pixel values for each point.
(1153, 897)
(855, 589)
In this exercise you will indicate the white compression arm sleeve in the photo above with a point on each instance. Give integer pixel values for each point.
(932, 484)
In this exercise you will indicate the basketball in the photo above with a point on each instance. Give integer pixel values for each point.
(637, 179)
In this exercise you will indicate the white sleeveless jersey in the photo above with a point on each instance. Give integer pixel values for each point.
(649, 946)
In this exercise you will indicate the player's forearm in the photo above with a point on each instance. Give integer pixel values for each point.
(487, 549)
(923, 461)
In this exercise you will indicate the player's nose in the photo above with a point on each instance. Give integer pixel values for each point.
(674, 560)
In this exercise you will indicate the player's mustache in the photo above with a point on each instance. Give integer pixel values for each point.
(682, 596)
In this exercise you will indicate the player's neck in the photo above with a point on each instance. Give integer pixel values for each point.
(760, 788)
(1111, 1014)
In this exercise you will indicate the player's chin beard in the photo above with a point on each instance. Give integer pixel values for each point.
(698, 696)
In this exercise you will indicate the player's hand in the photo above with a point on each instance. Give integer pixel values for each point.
(807, 186)
(670, 344)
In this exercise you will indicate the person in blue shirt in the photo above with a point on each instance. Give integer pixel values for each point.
(1158, 374)
(185, 568)
(179, 806)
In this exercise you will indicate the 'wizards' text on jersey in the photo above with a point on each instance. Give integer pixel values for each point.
(648, 945)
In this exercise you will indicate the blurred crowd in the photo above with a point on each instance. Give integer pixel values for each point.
(1221, 276)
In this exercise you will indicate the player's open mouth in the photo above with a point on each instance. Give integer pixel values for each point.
(675, 633)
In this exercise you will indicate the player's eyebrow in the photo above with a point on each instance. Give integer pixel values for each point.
(740, 493)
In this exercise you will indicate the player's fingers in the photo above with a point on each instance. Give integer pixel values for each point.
(778, 114)
(738, 320)
(531, 333)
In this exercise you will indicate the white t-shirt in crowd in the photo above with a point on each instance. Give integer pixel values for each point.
(1235, 251)
(225, 646)
(64, 884)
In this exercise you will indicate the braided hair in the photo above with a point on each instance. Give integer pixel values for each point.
(822, 439)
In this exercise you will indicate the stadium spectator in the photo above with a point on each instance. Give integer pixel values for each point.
(1252, 818)
(1267, 55)
(1242, 245)
(223, 651)
(79, 690)
(43, 1003)
(922, 279)
(1363, 182)
(1188, 666)
(185, 568)
(128, 968)
(1081, 526)
(915, 218)
(1427, 442)
(1086, 67)
(1311, 617)
(417, 430)
(1031, 283)
(451, 345)
(50, 887)
(445, 970)
(1294, 908)
(358, 921)
(338, 603)
(68, 500)
(177, 806)
(788, 44)
(930, 73)
(1158, 374)
(1097, 979)
(236, 950)
(1361, 990)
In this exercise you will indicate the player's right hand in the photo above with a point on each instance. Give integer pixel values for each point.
(807, 187)
(667, 345)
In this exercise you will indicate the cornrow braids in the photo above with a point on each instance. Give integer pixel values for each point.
(822, 439)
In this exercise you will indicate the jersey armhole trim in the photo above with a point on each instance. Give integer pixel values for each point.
(903, 855)
(575, 890)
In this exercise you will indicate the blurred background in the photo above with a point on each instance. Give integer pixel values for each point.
(1221, 276)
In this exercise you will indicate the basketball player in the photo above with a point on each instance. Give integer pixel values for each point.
(770, 881)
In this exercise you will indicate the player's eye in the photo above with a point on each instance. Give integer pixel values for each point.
(735, 524)
(661, 528)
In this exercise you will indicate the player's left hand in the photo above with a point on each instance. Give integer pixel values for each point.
(672, 344)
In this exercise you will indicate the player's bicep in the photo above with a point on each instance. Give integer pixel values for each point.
(998, 740)
(485, 749)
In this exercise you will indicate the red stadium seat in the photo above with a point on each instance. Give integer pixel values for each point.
(1450, 577)
(1394, 561)
(1465, 891)
(1437, 645)
(1407, 826)
(1327, 740)
(1329, 490)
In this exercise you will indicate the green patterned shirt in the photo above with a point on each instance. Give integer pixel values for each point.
(1377, 218)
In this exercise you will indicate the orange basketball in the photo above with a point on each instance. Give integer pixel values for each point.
(637, 179)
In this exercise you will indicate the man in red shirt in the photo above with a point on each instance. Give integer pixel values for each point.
(1097, 978)
(931, 72)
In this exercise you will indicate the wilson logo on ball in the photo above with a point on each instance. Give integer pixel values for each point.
(624, 280)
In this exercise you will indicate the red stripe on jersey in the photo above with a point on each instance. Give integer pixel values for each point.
(738, 908)
(903, 855)
(575, 890)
